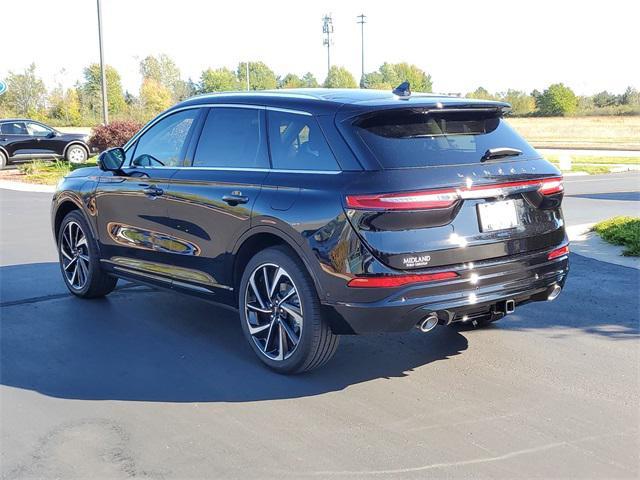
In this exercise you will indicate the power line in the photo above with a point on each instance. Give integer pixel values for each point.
(327, 29)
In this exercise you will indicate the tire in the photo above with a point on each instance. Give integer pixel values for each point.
(79, 260)
(76, 154)
(3, 160)
(285, 316)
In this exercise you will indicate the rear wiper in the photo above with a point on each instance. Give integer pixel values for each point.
(500, 152)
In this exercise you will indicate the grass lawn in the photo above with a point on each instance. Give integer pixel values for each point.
(621, 133)
(624, 231)
(49, 173)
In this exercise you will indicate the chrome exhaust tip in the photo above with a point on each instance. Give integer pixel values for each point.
(428, 323)
(555, 291)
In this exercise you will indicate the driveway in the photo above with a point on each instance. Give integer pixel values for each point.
(151, 384)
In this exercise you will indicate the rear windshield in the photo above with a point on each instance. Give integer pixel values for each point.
(414, 138)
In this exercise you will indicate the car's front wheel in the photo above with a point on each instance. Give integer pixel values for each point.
(79, 260)
(3, 160)
(76, 154)
(280, 313)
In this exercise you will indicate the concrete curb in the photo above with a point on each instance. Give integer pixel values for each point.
(26, 187)
(587, 243)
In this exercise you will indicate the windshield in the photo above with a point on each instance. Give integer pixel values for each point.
(413, 138)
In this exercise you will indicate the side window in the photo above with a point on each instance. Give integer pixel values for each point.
(38, 130)
(297, 143)
(232, 137)
(13, 128)
(164, 143)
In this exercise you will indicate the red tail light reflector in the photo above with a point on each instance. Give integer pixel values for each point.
(387, 281)
(558, 252)
(551, 186)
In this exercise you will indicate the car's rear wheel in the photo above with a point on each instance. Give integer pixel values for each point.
(3, 160)
(79, 260)
(77, 154)
(280, 313)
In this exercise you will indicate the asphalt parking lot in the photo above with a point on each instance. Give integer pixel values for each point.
(155, 385)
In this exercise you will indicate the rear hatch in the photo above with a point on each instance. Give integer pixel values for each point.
(448, 186)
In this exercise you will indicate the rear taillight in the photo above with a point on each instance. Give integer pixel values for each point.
(404, 201)
(445, 198)
(551, 186)
(387, 281)
(558, 252)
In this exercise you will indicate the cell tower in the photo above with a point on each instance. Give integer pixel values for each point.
(327, 29)
(362, 20)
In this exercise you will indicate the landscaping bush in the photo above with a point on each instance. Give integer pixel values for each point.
(116, 134)
(623, 231)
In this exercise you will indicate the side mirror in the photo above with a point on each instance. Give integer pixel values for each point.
(52, 134)
(111, 160)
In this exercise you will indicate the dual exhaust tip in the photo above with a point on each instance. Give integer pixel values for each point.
(428, 323)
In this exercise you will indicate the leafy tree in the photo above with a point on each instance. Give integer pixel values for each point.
(154, 96)
(605, 99)
(261, 77)
(164, 71)
(309, 80)
(339, 77)
(390, 75)
(92, 89)
(631, 96)
(219, 80)
(481, 93)
(291, 80)
(65, 106)
(557, 100)
(521, 103)
(26, 93)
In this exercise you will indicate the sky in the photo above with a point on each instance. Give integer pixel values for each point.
(522, 44)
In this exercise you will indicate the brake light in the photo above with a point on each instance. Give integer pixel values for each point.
(447, 197)
(398, 280)
(405, 201)
(551, 186)
(558, 252)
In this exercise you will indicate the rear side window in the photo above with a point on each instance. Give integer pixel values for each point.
(232, 138)
(13, 128)
(297, 143)
(413, 138)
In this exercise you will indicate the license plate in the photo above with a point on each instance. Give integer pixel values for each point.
(498, 215)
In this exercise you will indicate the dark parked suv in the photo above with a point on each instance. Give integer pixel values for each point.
(22, 139)
(320, 213)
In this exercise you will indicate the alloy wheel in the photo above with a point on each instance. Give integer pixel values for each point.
(273, 311)
(75, 255)
(76, 155)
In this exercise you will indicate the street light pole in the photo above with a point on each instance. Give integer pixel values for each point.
(105, 107)
(362, 21)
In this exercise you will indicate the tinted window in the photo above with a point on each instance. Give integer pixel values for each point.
(412, 138)
(38, 130)
(297, 143)
(13, 128)
(165, 142)
(232, 137)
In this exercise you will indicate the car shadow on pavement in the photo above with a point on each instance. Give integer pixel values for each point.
(141, 344)
(625, 196)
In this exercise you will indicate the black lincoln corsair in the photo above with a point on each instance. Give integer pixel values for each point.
(319, 213)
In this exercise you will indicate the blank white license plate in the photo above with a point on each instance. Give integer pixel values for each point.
(498, 215)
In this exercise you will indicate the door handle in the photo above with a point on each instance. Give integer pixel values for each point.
(153, 191)
(234, 199)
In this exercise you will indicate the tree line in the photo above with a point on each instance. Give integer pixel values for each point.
(163, 85)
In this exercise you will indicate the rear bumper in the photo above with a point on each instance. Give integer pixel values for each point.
(479, 290)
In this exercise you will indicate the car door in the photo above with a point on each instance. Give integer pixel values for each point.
(134, 227)
(211, 199)
(41, 141)
(14, 137)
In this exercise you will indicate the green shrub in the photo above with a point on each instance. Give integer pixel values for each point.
(624, 231)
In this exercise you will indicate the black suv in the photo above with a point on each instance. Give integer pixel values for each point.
(22, 139)
(320, 213)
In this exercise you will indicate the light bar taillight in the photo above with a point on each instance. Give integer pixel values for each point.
(387, 281)
(558, 252)
(445, 198)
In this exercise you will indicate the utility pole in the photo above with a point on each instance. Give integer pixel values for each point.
(362, 21)
(247, 71)
(327, 29)
(105, 107)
